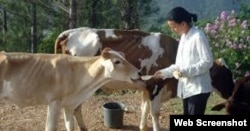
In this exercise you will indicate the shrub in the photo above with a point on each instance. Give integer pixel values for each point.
(47, 43)
(230, 39)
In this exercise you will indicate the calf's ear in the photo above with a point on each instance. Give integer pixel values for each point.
(122, 54)
(108, 67)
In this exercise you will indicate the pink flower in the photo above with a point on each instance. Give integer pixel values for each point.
(244, 24)
(208, 27)
(247, 74)
(248, 38)
(223, 16)
(232, 22)
(241, 45)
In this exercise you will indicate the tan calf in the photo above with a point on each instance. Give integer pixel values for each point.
(59, 81)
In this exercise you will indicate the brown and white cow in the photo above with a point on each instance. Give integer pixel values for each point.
(147, 51)
(59, 81)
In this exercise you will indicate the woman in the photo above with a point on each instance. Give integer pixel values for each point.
(193, 61)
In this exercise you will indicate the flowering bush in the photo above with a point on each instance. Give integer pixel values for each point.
(230, 40)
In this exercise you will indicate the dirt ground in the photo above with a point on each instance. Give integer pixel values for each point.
(13, 118)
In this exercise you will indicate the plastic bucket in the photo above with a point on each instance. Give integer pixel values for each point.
(113, 114)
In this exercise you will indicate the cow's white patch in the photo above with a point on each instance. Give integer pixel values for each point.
(72, 30)
(155, 89)
(83, 43)
(153, 43)
(110, 33)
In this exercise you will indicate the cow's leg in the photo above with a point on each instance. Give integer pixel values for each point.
(79, 118)
(155, 106)
(144, 112)
(69, 119)
(52, 116)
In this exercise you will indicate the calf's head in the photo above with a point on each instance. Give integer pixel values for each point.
(239, 102)
(117, 67)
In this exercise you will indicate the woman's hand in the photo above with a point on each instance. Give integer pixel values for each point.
(158, 74)
(177, 74)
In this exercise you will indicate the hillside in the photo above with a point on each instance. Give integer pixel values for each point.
(203, 8)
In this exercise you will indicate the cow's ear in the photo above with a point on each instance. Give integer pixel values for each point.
(108, 67)
(105, 52)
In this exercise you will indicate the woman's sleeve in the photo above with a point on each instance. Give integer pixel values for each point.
(168, 72)
(205, 58)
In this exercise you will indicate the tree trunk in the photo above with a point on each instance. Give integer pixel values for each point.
(33, 28)
(72, 14)
(129, 14)
(4, 24)
(4, 21)
(93, 17)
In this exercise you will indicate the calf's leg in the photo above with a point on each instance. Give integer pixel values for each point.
(155, 106)
(144, 112)
(52, 116)
(79, 118)
(69, 119)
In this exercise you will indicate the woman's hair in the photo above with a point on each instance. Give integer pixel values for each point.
(179, 14)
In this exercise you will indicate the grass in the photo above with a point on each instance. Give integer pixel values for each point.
(175, 105)
(213, 100)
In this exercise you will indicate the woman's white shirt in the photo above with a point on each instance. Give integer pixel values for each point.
(194, 59)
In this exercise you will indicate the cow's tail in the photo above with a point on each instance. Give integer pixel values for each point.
(60, 43)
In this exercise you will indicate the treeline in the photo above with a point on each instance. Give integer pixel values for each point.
(32, 25)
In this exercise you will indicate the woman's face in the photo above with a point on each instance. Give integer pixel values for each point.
(176, 27)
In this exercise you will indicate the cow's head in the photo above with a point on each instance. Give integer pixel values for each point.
(117, 67)
(222, 79)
